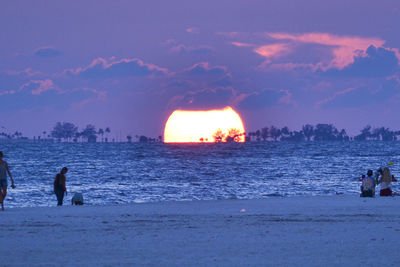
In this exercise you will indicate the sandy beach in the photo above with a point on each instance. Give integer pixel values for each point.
(314, 231)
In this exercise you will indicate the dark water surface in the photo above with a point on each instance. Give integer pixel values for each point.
(110, 173)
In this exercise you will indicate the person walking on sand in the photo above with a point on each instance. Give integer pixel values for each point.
(59, 186)
(4, 170)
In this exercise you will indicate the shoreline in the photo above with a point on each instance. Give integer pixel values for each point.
(312, 230)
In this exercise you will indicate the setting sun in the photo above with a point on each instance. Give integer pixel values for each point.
(207, 126)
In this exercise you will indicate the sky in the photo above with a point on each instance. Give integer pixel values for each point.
(128, 65)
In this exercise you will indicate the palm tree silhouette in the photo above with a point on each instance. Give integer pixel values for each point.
(107, 132)
(219, 136)
(101, 132)
(308, 131)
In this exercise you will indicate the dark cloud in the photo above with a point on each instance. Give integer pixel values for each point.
(203, 69)
(41, 94)
(101, 69)
(365, 96)
(195, 50)
(378, 62)
(205, 99)
(47, 52)
(265, 98)
(200, 75)
(223, 82)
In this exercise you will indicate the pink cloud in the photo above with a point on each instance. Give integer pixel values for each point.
(239, 44)
(287, 98)
(100, 66)
(344, 48)
(205, 68)
(42, 86)
(9, 92)
(26, 72)
(273, 51)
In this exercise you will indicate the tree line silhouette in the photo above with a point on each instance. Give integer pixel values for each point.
(68, 132)
(321, 132)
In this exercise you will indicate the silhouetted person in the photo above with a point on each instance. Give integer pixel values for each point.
(385, 181)
(368, 185)
(59, 186)
(77, 199)
(4, 170)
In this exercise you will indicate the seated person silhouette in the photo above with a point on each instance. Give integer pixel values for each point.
(368, 185)
(77, 199)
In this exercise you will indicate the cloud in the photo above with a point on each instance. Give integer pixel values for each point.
(28, 72)
(376, 62)
(47, 52)
(317, 51)
(370, 95)
(7, 92)
(205, 98)
(100, 68)
(334, 96)
(199, 49)
(175, 47)
(37, 87)
(37, 95)
(265, 98)
(289, 66)
(199, 75)
(94, 95)
(239, 44)
(225, 81)
(11, 80)
(343, 48)
(273, 51)
(203, 69)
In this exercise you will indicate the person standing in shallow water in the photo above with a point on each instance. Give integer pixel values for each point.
(59, 186)
(4, 170)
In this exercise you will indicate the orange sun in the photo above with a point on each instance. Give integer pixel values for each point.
(218, 125)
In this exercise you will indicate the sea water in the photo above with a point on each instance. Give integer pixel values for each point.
(114, 173)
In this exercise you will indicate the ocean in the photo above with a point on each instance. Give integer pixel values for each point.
(115, 173)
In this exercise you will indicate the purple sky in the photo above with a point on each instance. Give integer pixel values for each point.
(129, 64)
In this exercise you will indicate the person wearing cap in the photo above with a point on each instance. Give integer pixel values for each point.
(4, 170)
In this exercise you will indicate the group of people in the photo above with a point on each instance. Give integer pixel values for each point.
(60, 188)
(382, 177)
